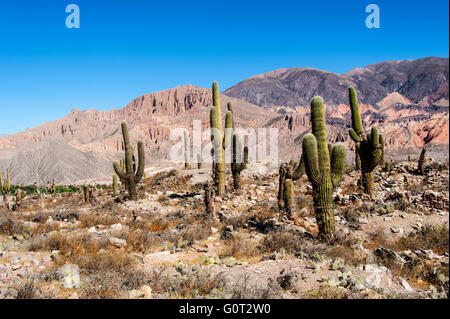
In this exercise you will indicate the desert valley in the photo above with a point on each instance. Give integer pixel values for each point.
(356, 204)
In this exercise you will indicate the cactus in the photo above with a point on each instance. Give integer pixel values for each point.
(199, 161)
(292, 171)
(324, 169)
(369, 147)
(130, 176)
(187, 154)
(409, 158)
(387, 167)
(53, 188)
(114, 184)
(289, 197)
(239, 161)
(18, 199)
(421, 168)
(219, 140)
(209, 201)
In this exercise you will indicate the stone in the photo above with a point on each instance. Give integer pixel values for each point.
(405, 284)
(69, 275)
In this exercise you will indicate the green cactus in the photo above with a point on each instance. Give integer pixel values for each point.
(240, 160)
(187, 154)
(324, 169)
(421, 168)
(219, 140)
(387, 167)
(409, 158)
(289, 197)
(369, 147)
(130, 176)
(114, 184)
(292, 171)
(5, 185)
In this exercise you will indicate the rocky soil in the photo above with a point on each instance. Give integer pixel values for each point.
(394, 245)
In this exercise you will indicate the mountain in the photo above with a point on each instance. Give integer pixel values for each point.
(424, 81)
(83, 144)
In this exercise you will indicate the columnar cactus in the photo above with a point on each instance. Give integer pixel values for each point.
(199, 161)
(240, 160)
(187, 154)
(289, 197)
(130, 177)
(114, 184)
(209, 201)
(292, 171)
(422, 161)
(5, 186)
(369, 147)
(219, 140)
(324, 169)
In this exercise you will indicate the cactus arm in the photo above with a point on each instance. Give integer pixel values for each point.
(337, 164)
(141, 166)
(216, 103)
(244, 163)
(356, 116)
(228, 129)
(374, 138)
(299, 170)
(122, 175)
(311, 159)
(354, 136)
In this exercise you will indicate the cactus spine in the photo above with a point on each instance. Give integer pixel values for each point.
(324, 169)
(368, 147)
(422, 161)
(114, 184)
(219, 140)
(187, 154)
(130, 176)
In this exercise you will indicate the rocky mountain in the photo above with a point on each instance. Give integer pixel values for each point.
(83, 144)
(423, 81)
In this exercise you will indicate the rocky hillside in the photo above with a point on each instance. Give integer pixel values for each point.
(423, 81)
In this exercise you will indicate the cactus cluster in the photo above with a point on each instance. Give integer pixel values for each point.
(220, 140)
(324, 165)
(369, 147)
(130, 176)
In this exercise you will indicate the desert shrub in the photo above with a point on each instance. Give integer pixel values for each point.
(193, 283)
(89, 220)
(240, 247)
(290, 242)
(11, 226)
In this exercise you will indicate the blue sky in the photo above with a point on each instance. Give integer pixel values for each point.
(124, 49)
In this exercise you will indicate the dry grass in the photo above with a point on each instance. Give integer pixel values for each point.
(240, 247)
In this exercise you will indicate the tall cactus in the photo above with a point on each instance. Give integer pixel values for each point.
(239, 163)
(421, 168)
(187, 153)
(219, 140)
(324, 169)
(114, 184)
(5, 185)
(130, 176)
(369, 147)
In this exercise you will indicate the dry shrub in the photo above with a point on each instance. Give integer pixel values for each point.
(290, 242)
(27, 290)
(195, 282)
(10, 226)
(89, 220)
(44, 228)
(240, 247)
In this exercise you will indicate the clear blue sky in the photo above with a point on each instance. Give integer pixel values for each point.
(127, 48)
